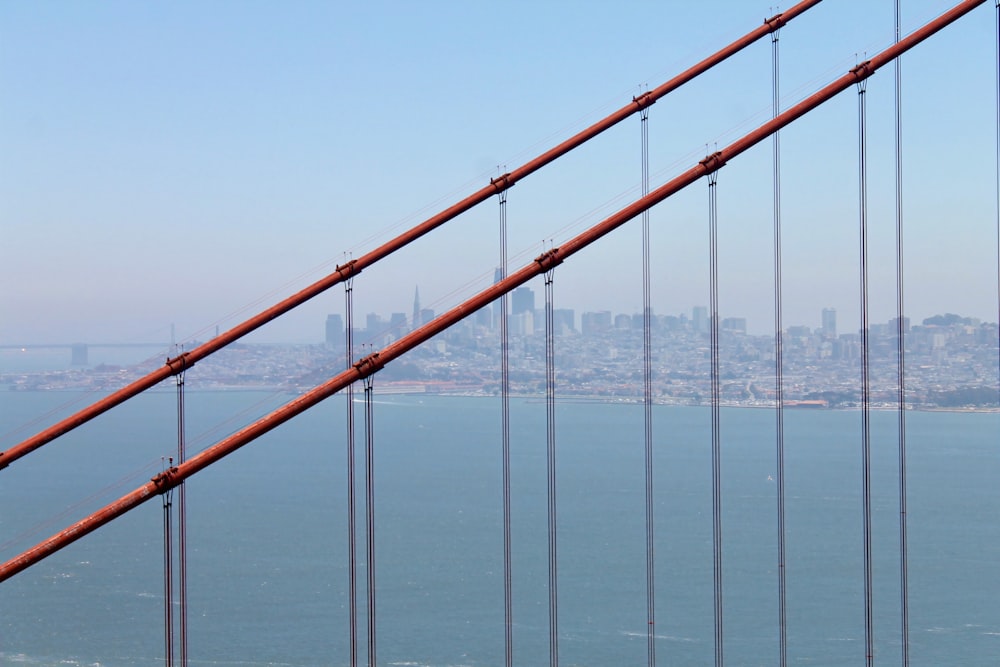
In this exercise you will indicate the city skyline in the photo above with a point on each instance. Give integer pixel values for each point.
(571, 320)
(399, 321)
(951, 362)
(193, 164)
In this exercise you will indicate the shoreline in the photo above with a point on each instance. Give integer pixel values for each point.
(435, 389)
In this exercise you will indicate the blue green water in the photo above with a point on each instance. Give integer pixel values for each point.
(268, 555)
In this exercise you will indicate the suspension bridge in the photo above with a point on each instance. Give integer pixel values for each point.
(168, 487)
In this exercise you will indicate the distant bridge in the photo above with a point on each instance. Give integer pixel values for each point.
(80, 352)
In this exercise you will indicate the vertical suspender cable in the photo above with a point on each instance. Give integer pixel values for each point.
(370, 513)
(647, 386)
(352, 547)
(904, 594)
(181, 528)
(865, 380)
(508, 605)
(713, 261)
(168, 578)
(779, 404)
(550, 448)
(997, 65)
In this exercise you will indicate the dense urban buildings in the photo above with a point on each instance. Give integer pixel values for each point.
(951, 361)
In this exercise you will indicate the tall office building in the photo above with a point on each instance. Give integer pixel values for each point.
(523, 323)
(593, 324)
(699, 319)
(334, 331)
(829, 322)
(397, 324)
(484, 318)
(734, 324)
(522, 301)
(564, 320)
(374, 324)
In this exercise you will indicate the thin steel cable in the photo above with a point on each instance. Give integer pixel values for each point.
(550, 448)
(508, 606)
(779, 403)
(352, 530)
(647, 386)
(713, 261)
(865, 379)
(182, 611)
(370, 512)
(904, 586)
(168, 583)
(997, 65)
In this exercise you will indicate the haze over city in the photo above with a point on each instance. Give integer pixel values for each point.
(188, 165)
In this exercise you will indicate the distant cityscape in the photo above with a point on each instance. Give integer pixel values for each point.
(951, 361)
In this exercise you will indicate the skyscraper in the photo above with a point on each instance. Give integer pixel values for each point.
(397, 324)
(564, 320)
(699, 319)
(522, 301)
(334, 331)
(593, 324)
(374, 324)
(829, 322)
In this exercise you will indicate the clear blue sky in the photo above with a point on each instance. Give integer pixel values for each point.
(172, 163)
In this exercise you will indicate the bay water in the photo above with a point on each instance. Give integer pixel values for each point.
(267, 533)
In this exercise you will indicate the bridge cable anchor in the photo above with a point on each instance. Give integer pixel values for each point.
(713, 162)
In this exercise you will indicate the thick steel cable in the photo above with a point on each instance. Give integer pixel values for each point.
(779, 403)
(168, 580)
(550, 449)
(713, 262)
(370, 512)
(865, 379)
(508, 605)
(182, 627)
(352, 530)
(904, 577)
(647, 387)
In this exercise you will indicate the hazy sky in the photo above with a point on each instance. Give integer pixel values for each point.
(175, 163)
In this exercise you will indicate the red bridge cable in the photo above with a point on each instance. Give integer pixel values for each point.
(375, 361)
(353, 267)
